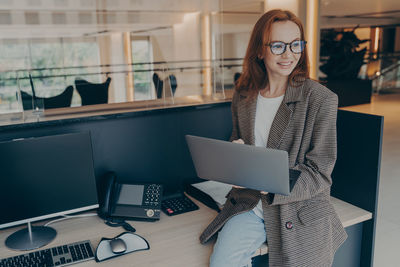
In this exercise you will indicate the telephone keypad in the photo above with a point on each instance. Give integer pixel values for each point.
(152, 195)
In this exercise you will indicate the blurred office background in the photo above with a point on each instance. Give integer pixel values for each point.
(139, 50)
(172, 48)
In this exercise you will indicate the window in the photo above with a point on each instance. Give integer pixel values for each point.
(54, 63)
(142, 55)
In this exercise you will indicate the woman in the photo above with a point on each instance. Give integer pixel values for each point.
(276, 105)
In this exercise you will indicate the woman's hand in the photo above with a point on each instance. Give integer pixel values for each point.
(241, 187)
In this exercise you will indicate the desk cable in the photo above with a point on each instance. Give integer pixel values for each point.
(66, 217)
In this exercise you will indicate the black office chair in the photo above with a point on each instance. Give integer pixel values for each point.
(59, 101)
(92, 93)
(158, 84)
(173, 83)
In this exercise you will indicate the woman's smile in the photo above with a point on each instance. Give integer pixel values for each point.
(285, 64)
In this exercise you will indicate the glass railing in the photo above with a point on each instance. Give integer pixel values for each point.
(31, 89)
(388, 79)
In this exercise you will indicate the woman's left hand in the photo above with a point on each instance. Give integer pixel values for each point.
(241, 187)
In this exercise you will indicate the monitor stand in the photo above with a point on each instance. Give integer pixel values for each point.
(31, 237)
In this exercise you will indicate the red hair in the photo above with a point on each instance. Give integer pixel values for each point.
(254, 74)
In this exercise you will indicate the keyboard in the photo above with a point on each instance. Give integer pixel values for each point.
(57, 256)
(178, 205)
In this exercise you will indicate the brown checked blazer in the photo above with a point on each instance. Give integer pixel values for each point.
(303, 228)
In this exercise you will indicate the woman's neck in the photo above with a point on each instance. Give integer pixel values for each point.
(275, 88)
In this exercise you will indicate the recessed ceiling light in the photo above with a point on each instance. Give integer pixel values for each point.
(326, 2)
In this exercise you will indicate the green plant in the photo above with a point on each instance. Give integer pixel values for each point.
(341, 48)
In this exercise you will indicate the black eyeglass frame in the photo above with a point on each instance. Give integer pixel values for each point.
(303, 42)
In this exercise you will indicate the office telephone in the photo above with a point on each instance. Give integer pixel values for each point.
(130, 201)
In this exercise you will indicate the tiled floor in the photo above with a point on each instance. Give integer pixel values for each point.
(387, 245)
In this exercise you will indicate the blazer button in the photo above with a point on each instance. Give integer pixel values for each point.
(289, 225)
(233, 201)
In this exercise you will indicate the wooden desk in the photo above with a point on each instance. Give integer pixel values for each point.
(120, 142)
(174, 241)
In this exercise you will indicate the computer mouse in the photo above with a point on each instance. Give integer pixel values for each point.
(118, 246)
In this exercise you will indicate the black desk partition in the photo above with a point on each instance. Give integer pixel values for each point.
(356, 174)
(149, 146)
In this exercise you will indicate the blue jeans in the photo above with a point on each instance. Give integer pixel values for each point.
(238, 240)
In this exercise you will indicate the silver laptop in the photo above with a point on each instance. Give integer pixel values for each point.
(252, 167)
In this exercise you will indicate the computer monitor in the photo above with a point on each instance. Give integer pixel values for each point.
(41, 178)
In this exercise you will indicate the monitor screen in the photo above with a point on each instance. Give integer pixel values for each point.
(44, 177)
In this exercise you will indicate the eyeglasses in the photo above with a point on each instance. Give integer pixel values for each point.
(278, 48)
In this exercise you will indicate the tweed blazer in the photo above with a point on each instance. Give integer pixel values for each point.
(303, 228)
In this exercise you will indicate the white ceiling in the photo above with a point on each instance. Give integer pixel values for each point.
(343, 13)
(337, 13)
(52, 18)
(351, 7)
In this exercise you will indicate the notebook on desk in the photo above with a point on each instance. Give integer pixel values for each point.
(252, 167)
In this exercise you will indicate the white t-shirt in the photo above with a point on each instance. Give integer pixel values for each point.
(265, 114)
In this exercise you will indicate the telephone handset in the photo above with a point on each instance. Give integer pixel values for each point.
(130, 201)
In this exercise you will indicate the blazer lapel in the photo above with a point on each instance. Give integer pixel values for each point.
(247, 107)
(283, 116)
(279, 126)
